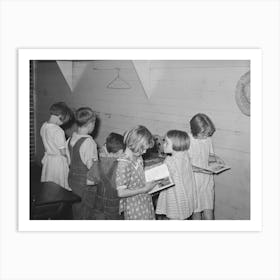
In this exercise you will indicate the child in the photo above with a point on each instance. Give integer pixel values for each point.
(178, 202)
(103, 173)
(135, 201)
(201, 151)
(55, 165)
(82, 151)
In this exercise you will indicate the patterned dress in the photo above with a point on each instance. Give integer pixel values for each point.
(180, 201)
(199, 151)
(130, 175)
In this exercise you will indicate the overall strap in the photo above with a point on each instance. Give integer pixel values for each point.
(79, 142)
(70, 148)
(75, 152)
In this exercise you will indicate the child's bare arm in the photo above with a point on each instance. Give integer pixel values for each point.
(127, 192)
(63, 152)
(216, 159)
(200, 170)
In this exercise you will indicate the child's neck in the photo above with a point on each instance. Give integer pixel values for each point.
(131, 155)
(54, 120)
(175, 153)
(82, 130)
(113, 155)
(200, 137)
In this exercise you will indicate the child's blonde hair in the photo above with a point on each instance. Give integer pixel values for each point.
(84, 116)
(180, 140)
(139, 139)
(202, 124)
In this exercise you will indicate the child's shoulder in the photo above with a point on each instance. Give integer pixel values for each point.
(51, 128)
(205, 140)
(124, 158)
(77, 138)
(124, 161)
(90, 140)
(86, 138)
(179, 156)
(168, 160)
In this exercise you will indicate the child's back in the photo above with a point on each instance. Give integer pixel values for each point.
(201, 148)
(180, 201)
(82, 151)
(78, 168)
(103, 173)
(55, 165)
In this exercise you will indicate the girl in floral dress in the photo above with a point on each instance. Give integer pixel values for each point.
(135, 201)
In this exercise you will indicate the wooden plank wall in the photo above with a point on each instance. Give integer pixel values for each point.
(180, 90)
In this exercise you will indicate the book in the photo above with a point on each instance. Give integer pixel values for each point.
(160, 175)
(213, 167)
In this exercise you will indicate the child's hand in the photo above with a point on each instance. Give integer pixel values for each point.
(149, 186)
(201, 170)
(207, 172)
(219, 161)
(214, 159)
(196, 169)
(89, 182)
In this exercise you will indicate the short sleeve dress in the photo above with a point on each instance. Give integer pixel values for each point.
(55, 167)
(180, 201)
(130, 175)
(199, 152)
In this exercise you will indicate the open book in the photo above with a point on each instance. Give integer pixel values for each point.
(160, 175)
(213, 167)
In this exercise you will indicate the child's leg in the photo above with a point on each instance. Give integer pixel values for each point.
(208, 214)
(196, 216)
(165, 218)
(76, 210)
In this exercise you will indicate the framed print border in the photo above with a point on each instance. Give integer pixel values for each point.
(255, 57)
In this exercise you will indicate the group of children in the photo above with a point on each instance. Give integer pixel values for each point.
(112, 184)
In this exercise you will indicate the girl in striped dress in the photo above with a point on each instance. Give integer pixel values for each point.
(180, 201)
(201, 153)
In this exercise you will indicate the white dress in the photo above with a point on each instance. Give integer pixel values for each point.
(55, 167)
(199, 152)
(180, 201)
